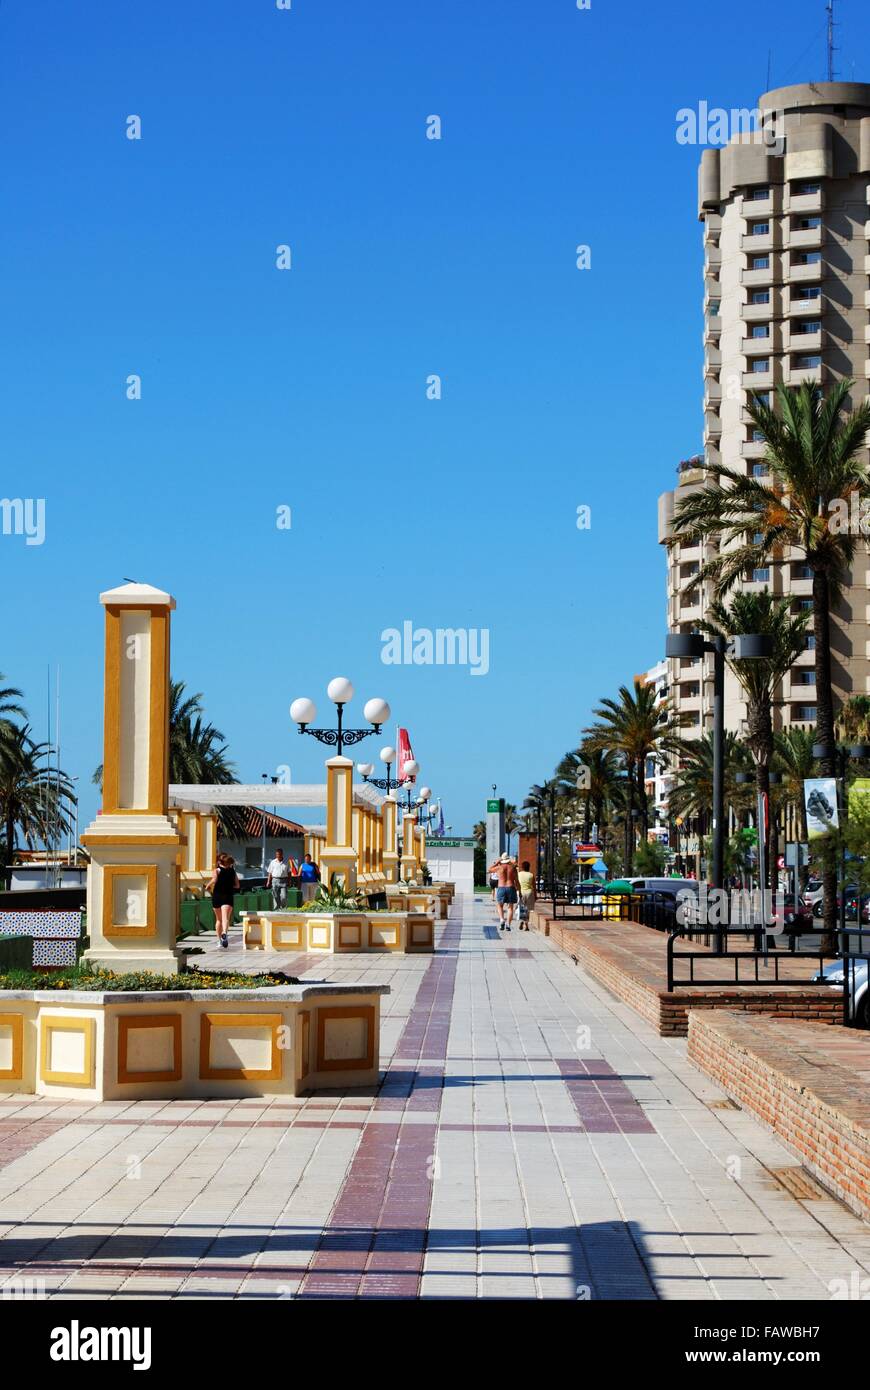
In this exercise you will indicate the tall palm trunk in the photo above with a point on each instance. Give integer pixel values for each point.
(825, 735)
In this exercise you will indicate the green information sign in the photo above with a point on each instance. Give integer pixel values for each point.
(494, 806)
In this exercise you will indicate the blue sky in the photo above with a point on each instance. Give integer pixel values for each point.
(307, 388)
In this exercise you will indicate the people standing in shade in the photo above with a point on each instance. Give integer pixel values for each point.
(223, 886)
(309, 877)
(277, 875)
(507, 889)
(527, 894)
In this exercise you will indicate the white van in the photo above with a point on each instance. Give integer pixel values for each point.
(669, 887)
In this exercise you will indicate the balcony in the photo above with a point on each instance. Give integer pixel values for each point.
(807, 203)
(799, 694)
(799, 587)
(804, 238)
(712, 288)
(689, 704)
(753, 449)
(759, 279)
(759, 381)
(760, 313)
(712, 330)
(795, 374)
(805, 274)
(712, 395)
(805, 342)
(761, 243)
(712, 228)
(762, 347)
(754, 209)
(804, 308)
(712, 361)
(712, 425)
(712, 259)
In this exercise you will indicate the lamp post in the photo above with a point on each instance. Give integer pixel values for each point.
(340, 691)
(840, 756)
(548, 794)
(745, 647)
(388, 784)
(266, 782)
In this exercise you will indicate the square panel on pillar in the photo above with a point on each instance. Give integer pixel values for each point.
(129, 900)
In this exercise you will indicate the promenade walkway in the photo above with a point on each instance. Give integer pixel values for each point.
(532, 1138)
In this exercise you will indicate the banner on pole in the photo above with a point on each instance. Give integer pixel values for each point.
(820, 799)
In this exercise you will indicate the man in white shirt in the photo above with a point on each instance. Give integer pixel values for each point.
(276, 879)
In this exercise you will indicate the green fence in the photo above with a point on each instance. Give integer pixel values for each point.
(16, 953)
(196, 915)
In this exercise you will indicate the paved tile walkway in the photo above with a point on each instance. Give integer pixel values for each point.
(532, 1138)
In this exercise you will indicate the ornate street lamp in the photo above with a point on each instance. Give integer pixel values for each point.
(340, 691)
(388, 784)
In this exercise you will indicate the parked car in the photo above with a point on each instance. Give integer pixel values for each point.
(832, 975)
(816, 898)
(790, 917)
(668, 887)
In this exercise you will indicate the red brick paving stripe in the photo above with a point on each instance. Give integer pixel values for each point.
(21, 1139)
(601, 1098)
(373, 1245)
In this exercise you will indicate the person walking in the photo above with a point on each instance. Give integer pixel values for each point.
(309, 877)
(504, 871)
(223, 886)
(527, 894)
(276, 879)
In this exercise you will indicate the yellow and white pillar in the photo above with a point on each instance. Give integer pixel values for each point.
(134, 845)
(338, 856)
(409, 846)
(389, 854)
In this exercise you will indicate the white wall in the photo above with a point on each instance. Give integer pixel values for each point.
(455, 865)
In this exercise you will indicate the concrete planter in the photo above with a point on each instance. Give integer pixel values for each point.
(331, 933)
(175, 1044)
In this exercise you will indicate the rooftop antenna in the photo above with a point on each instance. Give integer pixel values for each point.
(829, 6)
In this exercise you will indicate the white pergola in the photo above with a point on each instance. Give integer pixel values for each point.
(203, 796)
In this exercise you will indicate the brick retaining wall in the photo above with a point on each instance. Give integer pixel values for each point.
(639, 976)
(789, 1080)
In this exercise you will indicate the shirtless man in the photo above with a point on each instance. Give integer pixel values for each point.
(507, 889)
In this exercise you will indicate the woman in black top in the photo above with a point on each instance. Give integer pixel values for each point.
(224, 884)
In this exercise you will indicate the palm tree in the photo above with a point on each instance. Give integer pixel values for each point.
(761, 613)
(795, 760)
(853, 720)
(34, 796)
(813, 454)
(595, 774)
(691, 794)
(635, 726)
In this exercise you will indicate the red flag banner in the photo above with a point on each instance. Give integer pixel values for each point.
(406, 753)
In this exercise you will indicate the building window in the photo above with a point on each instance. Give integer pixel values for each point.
(759, 228)
(806, 361)
(763, 398)
(806, 292)
(760, 297)
(757, 195)
(805, 187)
(805, 713)
(806, 257)
(807, 224)
(803, 605)
(713, 308)
(761, 364)
(808, 326)
(761, 576)
(801, 572)
(809, 642)
(759, 470)
(760, 330)
(803, 677)
(759, 262)
(756, 436)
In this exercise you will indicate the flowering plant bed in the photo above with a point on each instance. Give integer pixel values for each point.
(138, 982)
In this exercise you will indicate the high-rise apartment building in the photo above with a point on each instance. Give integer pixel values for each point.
(786, 227)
